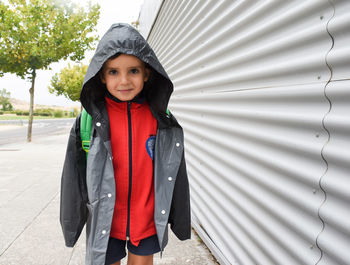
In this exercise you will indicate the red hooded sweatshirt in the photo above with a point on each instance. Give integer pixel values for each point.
(133, 131)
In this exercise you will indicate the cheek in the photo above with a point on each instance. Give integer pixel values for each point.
(111, 80)
(139, 82)
(142, 83)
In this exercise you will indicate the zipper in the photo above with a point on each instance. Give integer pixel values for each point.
(130, 170)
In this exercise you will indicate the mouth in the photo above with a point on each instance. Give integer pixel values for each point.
(124, 90)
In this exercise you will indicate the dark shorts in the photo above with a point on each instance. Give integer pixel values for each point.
(116, 248)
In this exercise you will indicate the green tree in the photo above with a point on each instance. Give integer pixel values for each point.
(69, 81)
(5, 100)
(36, 33)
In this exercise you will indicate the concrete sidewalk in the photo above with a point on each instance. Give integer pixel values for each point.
(30, 232)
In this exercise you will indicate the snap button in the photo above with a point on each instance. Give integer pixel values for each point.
(163, 211)
(103, 232)
(109, 195)
(170, 178)
(98, 124)
(177, 144)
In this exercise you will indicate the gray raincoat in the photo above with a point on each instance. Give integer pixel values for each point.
(88, 186)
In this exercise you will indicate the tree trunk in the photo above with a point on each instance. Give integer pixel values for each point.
(31, 107)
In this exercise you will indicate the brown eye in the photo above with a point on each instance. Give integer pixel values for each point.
(112, 72)
(134, 71)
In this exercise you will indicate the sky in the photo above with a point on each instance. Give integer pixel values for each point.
(111, 11)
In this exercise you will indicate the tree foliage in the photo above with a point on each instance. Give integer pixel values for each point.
(69, 81)
(36, 33)
(5, 100)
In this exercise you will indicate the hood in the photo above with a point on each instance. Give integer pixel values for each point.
(123, 38)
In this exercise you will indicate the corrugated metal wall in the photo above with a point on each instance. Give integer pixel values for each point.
(262, 90)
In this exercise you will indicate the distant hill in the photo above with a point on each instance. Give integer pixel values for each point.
(23, 105)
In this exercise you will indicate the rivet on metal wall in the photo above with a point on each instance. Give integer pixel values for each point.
(321, 17)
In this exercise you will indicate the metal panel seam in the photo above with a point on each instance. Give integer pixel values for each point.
(209, 243)
(327, 131)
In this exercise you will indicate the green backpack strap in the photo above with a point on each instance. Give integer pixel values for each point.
(85, 130)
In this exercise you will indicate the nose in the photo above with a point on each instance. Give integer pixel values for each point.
(124, 78)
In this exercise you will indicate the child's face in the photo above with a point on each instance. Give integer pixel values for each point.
(124, 76)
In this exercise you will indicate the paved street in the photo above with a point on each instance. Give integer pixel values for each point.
(16, 130)
(30, 233)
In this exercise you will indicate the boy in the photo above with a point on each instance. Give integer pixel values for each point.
(134, 181)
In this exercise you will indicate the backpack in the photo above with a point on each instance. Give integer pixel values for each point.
(85, 130)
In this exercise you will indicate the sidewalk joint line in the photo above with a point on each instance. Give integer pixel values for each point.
(26, 227)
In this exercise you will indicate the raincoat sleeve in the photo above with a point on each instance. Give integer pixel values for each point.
(180, 211)
(73, 210)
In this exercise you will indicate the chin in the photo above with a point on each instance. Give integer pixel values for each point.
(124, 98)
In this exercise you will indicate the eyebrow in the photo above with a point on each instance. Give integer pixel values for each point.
(130, 67)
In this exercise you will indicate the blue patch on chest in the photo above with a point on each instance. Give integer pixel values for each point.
(150, 143)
